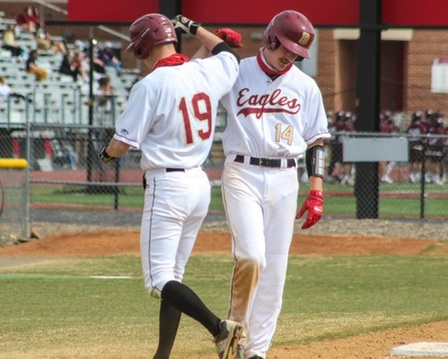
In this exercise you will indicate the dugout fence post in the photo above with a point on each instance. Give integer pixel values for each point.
(27, 192)
(367, 103)
(423, 180)
(20, 164)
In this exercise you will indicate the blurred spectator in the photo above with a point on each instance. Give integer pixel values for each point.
(105, 92)
(45, 42)
(337, 168)
(31, 21)
(430, 116)
(33, 68)
(107, 57)
(104, 86)
(347, 173)
(27, 20)
(333, 149)
(445, 159)
(435, 152)
(416, 130)
(98, 65)
(71, 64)
(79, 63)
(38, 20)
(63, 154)
(387, 125)
(7, 92)
(79, 52)
(9, 42)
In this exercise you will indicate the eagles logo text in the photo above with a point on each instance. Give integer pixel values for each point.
(273, 102)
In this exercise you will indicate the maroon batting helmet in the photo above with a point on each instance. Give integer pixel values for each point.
(148, 31)
(291, 29)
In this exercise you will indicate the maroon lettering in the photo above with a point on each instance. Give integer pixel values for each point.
(273, 102)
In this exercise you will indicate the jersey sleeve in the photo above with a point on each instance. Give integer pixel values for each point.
(317, 122)
(135, 120)
(224, 68)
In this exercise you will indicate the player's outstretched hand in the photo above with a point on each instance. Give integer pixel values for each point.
(231, 37)
(183, 25)
(314, 204)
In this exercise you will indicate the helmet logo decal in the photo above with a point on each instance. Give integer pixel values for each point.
(168, 32)
(304, 38)
(144, 32)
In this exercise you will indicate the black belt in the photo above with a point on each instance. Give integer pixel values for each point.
(174, 170)
(266, 162)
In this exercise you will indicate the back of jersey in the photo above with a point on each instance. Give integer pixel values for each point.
(171, 113)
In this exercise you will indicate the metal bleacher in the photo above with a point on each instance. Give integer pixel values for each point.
(57, 99)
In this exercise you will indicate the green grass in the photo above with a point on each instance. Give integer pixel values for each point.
(128, 196)
(54, 308)
(398, 201)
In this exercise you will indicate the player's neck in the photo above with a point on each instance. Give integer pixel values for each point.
(264, 64)
(157, 53)
(171, 60)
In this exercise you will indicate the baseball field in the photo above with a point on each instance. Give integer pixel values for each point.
(80, 295)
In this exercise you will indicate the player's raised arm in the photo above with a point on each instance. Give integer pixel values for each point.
(211, 43)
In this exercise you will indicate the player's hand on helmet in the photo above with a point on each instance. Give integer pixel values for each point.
(104, 156)
(183, 25)
(231, 37)
(314, 204)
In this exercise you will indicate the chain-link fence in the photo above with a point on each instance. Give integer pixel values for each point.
(387, 176)
(68, 183)
(14, 213)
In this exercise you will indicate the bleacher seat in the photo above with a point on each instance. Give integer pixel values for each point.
(57, 99)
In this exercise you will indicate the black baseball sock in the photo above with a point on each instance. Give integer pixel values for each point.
(169, 318)
(187, 301)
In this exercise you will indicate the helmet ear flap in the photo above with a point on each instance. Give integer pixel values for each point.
(276, 43)
(271, 41)
(138, 52)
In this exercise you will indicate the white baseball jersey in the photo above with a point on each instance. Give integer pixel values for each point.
(273, 118)
(172, 121)
(266, 119)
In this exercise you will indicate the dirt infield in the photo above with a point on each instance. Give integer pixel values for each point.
(366, 346)
(100, 243)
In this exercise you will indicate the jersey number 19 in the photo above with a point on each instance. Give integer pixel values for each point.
(202, 111)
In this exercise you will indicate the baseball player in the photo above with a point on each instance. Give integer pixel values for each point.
(275, 114)
(170, 116)
(387, 125)
(436, 149)
(415, 132)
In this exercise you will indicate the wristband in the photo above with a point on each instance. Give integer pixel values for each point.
(315, 161)
(104, 156)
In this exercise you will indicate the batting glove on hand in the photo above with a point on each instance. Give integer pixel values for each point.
(315, 206)
(104, 156)
(183, 25)
(231, 37)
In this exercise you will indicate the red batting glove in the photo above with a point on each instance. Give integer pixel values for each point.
(315, 206)
(230, 36)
